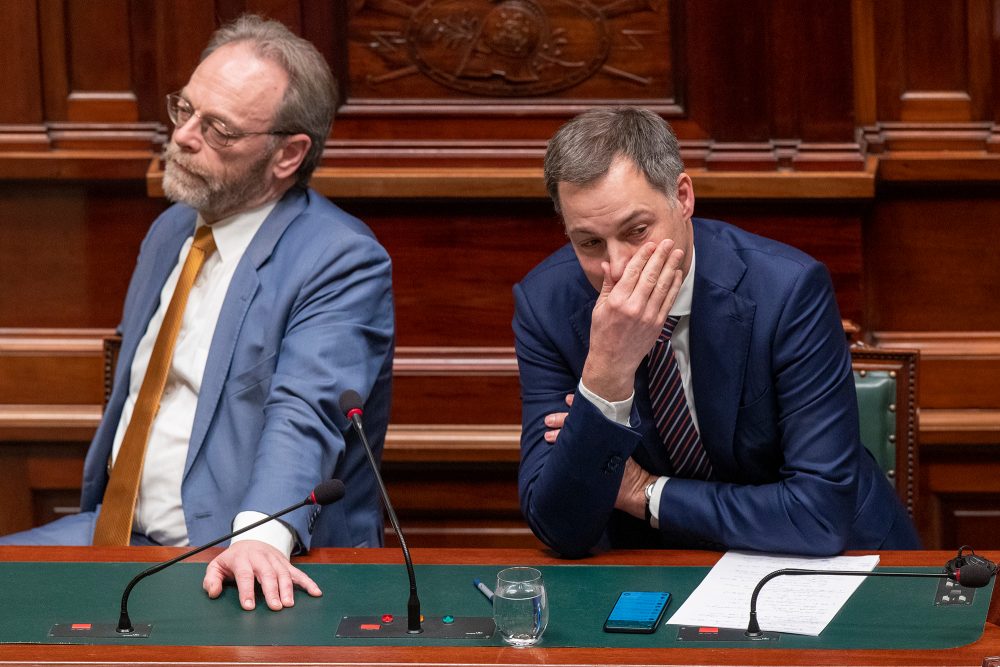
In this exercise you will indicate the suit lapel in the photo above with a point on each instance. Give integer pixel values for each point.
(242, 289)
(580, 322)
(161, 264)
(721, 324)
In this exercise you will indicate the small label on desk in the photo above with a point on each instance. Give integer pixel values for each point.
(692, 633)
(432, 627)
(101, 630)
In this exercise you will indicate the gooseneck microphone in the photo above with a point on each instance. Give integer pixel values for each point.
(350, 405)
(966, 569)
(326, 492)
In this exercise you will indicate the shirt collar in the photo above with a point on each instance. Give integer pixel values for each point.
(233, 234)
(682, 304)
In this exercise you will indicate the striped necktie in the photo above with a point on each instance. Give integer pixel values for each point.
(671, 413)
(114, 523)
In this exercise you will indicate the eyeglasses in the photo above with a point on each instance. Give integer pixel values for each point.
(215, 132)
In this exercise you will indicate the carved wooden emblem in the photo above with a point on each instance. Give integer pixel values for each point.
(509, 48)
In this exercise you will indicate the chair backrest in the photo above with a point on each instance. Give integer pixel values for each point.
(886, 384)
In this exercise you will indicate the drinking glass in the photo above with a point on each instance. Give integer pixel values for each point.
(520, 606)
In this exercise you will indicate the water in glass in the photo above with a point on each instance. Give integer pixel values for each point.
(520, 606)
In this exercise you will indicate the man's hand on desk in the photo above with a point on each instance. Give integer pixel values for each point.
(251, 560)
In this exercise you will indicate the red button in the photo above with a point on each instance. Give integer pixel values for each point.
(80, 626)
(371, 626)
(387, 618)
(708, 631)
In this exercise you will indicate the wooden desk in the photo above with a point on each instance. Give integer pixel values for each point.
(63, 655)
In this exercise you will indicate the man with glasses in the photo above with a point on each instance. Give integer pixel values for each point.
(254, 304)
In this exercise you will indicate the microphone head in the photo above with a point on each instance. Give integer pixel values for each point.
(975, 573)
(970, 570)
(328, 491)
(350, 400)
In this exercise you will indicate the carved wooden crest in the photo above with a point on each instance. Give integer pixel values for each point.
(503, 48)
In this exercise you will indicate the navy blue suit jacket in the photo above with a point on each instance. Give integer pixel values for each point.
(308, 314)
(777, 412)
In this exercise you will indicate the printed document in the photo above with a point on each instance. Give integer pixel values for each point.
(800, 604)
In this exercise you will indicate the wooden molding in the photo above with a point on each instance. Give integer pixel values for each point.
(426, 361)
(938, 151)
(76, 165)
(939, 351)
(45, 423)
(955, 363)
(974, 345)
(959, 428)
(457, 443)
(526, 183)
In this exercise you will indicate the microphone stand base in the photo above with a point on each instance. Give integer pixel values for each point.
(700, 633)
(436, 627)
(99, 630)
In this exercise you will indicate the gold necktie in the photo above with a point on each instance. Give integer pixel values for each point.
(114, 523)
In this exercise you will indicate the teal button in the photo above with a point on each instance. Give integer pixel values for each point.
(448, 619)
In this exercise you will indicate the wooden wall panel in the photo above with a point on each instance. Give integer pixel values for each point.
(930, 78)
(830, 232)
(454, 262)
(544, 52)
(20, 65)
(856, 130)
(931, 65)
(454, 265)
(67, 250)
(935, 260)
(87, 75)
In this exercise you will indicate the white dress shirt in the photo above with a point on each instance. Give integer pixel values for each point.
(680, 342)
(158, 511)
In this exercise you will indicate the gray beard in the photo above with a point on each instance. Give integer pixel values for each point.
(212, 197)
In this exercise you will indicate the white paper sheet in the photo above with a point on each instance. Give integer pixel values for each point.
(800, 604)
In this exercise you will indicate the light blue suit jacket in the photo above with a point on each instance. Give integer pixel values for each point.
(776, 407)
(309, 314)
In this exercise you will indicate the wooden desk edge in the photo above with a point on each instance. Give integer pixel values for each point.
(65, 655)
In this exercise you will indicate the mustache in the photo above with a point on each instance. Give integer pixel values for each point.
(171, 153)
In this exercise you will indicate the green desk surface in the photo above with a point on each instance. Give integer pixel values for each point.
(885, 612)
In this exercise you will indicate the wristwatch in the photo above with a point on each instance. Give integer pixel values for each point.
(648, 492)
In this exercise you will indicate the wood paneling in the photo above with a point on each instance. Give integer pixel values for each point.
(67, 249)
(928, 69)
(445, 51)
(20, 67)
(452, 470)
(862, 131)
(934, 260)
(930, 60)
(959, 433)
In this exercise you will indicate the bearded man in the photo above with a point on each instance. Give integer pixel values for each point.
(254, 304)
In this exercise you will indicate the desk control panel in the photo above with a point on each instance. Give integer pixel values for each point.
(950, 593)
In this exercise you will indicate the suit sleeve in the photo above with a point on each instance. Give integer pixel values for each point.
(339, 336)
(567, 489)
(810, 415)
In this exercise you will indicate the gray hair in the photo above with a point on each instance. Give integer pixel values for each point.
(311, 97)
(584, 148)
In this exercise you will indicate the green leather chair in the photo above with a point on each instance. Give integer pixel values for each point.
(886, 385)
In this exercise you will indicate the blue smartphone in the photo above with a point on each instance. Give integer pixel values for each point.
(637, 611)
